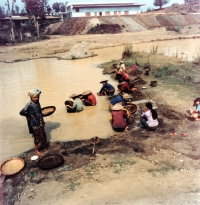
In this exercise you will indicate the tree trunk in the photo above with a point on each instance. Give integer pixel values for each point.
(37, 28)
(12, 31)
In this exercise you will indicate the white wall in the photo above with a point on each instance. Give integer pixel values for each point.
(82, 11)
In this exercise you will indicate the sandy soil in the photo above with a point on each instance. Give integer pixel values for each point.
(58, 46)
(134, 167)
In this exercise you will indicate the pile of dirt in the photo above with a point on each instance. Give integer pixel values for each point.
(167, 17)
(105, 28)
(78, 51)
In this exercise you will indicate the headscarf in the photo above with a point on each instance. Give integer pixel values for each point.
(34, 92)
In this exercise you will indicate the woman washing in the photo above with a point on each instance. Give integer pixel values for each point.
(149, 118)
(119, 118)
(77, 104)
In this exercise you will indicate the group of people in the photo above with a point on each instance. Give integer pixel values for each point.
(33, 112)
(87, 98)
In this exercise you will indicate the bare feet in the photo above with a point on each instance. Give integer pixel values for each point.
(184, 135)
(127, 128)
(173, 134)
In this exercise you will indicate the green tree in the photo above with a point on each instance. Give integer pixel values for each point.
(56, 7)
(2, 12)
(49, 10)
(160, 3)
(36, 9)
(23, 12)
(62, 7)
(17, 9)
(9, 11)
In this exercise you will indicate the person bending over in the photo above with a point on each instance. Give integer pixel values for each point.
(117, 99)
(88, 98)
(107, 89)
(77, 104)
(119, 118)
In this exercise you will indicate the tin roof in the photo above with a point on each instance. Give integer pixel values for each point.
(93, 5)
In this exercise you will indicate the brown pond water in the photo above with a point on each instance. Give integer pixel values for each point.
(58, 79)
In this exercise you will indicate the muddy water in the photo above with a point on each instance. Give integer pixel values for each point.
(58, 79)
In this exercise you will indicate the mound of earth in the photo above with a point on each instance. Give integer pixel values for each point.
(105, 28)
(167, 17)
(80, 50)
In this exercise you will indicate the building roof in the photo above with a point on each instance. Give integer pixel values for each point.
(106, 4)
(23, 18)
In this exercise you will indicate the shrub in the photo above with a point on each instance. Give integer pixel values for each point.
(154, 49)
(128, 50)
(174, 28)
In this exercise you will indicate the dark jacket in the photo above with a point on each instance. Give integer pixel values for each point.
(34, 109)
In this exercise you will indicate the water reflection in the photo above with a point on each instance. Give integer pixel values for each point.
(58, 79)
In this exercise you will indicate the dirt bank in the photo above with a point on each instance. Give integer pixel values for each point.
(58, 46)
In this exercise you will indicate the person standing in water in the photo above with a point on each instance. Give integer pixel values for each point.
(33, 113)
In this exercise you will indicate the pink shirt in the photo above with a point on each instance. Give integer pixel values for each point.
(150, 121)
(126, 76)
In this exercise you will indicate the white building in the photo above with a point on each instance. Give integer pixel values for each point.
(102, 9)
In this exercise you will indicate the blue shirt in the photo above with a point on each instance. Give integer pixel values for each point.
(117, 99)
(107, 86)
(198, 107)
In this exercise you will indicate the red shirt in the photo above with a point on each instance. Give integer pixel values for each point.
(126, 77)
(92, 99)
(118, 119)
(125, 87)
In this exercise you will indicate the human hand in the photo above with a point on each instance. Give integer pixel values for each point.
(32, 117)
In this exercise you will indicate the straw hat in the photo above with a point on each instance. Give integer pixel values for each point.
(125, 96)
(86, 92)
(117, 107)
(74, 95)
(104, 81)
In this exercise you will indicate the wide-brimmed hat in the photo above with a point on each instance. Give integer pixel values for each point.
(86, 92)
(125, 96)
(121, 61)
(117, 107)
(104, 81)
(74, 95)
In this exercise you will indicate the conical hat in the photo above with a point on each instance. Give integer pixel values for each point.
(117, 107)
(86, 92)
(74, 95)
(104, 81)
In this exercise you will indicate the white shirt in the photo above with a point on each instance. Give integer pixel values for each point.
(150, 121)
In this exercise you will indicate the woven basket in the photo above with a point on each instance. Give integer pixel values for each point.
(46, 111)
(12, 166)
(127, 112)
(50, 162)
(132, 108)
